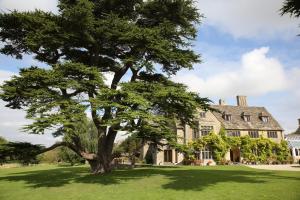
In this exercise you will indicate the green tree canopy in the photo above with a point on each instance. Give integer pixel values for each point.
(23, 152)
(140, 43)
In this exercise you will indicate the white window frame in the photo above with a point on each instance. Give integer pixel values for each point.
(247, 118)
(265, 119)
(205, 154)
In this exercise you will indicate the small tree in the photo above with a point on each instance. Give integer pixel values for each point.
(51, 157)
(23, 152)
(2, 140)
(131, 147)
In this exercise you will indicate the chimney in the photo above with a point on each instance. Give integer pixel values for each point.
(241, 100)
(222, 102)
(299, 122)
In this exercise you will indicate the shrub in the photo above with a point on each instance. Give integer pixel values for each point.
(51, 157)
(68, 156)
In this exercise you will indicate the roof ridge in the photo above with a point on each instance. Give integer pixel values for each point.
(239, 106)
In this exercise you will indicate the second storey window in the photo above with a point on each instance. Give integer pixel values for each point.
(272, 134)
(253, 134)
(195, 134)
(205, 130)
(233, 133)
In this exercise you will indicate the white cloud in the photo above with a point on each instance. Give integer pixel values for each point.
(264, 79)
(249, 19)
(294, 81)
(257, 75)
(28, 5)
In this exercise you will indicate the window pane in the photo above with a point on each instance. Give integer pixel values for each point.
(202, 114)
(253, 134)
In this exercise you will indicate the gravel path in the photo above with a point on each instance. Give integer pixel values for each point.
(294, 167)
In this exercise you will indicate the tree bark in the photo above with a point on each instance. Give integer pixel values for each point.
(101, 166)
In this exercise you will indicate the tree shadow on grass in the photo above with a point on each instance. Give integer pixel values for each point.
(179, 178)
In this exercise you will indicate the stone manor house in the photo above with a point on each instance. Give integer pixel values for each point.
(239, 120)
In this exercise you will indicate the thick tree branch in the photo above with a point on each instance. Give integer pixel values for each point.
(119, 74)
(54, 146)
(85, 155)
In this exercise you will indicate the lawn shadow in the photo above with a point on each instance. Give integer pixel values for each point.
(180, 178)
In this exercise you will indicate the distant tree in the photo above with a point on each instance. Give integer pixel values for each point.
(3, 151)
(68, 156)
(131, 147)
(3, 140)
(51, 157)
(140, 43)
(22, 152)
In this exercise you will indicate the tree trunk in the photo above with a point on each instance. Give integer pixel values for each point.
(103, 163)
(100, 166)
(132, 159)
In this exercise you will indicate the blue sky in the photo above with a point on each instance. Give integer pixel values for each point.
(247, 48)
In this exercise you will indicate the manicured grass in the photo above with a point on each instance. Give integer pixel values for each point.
(220, 182)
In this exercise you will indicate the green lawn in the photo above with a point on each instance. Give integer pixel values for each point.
(221, 182)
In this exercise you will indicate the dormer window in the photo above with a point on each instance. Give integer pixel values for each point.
(202, 114)
(265, 119)
(246, 117)
(227, 117)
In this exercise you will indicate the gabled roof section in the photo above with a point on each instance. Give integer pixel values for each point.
(237, 122)
(294, 136)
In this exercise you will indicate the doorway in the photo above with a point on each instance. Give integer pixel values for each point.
(235, 155)
(168, 156)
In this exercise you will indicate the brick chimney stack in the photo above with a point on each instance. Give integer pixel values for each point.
(241, 100)
(222, 102)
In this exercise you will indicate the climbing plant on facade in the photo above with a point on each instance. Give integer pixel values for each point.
(253, 150)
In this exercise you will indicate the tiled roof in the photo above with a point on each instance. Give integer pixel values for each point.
(237, 122)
